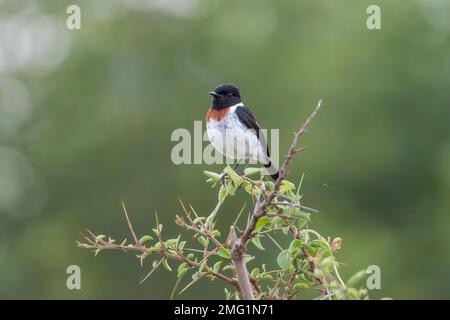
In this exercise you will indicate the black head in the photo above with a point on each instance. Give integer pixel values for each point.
(224, 96)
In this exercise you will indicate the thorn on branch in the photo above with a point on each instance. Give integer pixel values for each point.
(130, 225)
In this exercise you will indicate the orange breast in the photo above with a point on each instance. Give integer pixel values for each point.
(216, 114)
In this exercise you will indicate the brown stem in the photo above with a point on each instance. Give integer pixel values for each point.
(245, 285)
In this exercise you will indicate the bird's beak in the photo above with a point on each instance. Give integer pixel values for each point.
(214, 94)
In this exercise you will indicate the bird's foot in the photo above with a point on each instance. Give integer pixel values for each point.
(222, 178)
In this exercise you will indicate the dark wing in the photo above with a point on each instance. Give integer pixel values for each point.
(246, 117)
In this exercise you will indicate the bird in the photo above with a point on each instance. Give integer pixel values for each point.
(233, 130)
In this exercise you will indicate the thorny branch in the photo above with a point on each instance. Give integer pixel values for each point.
(239, 246)
(308, 261)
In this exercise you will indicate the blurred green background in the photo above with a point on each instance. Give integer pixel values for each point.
(86, 118)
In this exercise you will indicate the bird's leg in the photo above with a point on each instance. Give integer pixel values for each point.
(234, 167)
(222, 178)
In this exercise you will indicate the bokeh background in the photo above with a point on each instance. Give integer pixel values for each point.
(86, 118)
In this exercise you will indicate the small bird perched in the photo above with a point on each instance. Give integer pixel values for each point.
(234, 131)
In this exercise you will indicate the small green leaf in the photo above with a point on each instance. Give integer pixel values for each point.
(327, 262)
(283, 259)
(202, 240)
(267, 277)
(182, 269)
(216, 266)
(195, 275)
(170, 243)
(228, 267)
(301, 285)
(269, 185)
(190, 256)
(252, 171)
(144, 239)
(198, 219)
(352, 293)
(100, 237)
(158, 230)
(152, 249)
(356, 278)
(231, 188)
(248, 258)
(224, 253)
(295, 245)
(254, 273)
(262, 222)
(212, 175)
(286, 186)
(237, 179)
(302, 222)
(257, 242)
(166, 265)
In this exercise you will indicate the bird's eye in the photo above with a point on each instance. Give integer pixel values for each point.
(230, 95)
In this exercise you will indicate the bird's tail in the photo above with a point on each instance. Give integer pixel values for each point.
(273, 171)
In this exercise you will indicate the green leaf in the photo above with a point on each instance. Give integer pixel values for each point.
(254, 273)
(171, 243)
(144, 239)
(224, 253)
(352, 293)
(267, 277)
(257, 242)
(215, 233)
(302, 222)
(100, 237)
(237, 179)
(248, 187)
(202, 240)
(356, 278)
(158, 230)
(301, 285)
(283, 259)
(269, 185)
(327, 262)
(166, 265)
(295, 245)
(286, 186)
(262, 222)
(216, 266)
(181, 245)
(190, 256)
(252, 171)
(248, 258)
(182, 269)
(228, 267)
(199, 219)
(212, 175)
(152, 249)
